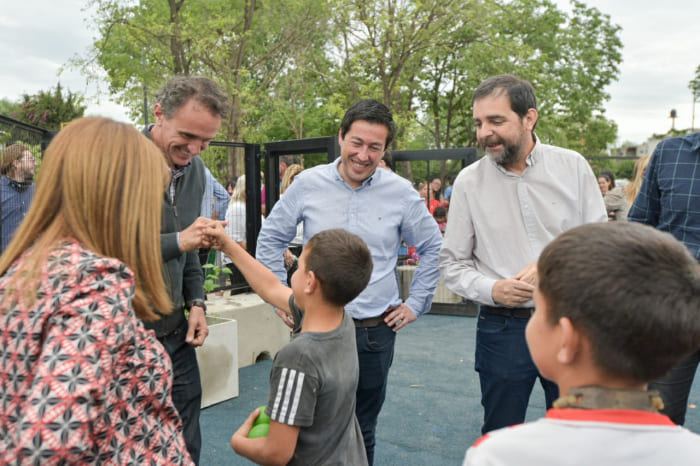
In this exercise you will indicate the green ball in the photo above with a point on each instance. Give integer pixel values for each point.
(262, 417)
(261, 430)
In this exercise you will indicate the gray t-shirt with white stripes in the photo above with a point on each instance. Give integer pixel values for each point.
(312, 385)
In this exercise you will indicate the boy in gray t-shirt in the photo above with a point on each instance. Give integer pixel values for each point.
(314, 377)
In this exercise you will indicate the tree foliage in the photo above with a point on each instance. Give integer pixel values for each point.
(46, 109)
(694, 85)
(292, 68)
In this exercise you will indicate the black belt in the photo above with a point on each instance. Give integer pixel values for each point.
(517, 312)
(371, 322)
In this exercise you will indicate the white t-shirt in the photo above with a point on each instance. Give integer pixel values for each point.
(567, 437)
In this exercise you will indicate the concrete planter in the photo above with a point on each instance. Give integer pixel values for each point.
(218, 361)
(261, 333)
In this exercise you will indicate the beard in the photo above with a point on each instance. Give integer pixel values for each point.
(508, 156)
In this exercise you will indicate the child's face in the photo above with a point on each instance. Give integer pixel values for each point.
(543, 338)
(440, 219)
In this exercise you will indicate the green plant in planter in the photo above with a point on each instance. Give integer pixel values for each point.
(211, 276)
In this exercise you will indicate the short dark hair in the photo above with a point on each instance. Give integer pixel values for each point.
(640, 312)
(177, 91)
(372, 111)
(520, 92)
(439, 211)
(341, 262)
(608, 175)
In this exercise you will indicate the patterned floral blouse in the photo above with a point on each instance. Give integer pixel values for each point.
(81, 380)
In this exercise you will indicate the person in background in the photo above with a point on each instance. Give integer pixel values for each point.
(606, 182)
(16, 188)
(236, 226)
(632, 188)
(669, 200)
(214, 205)
(387, 161)
(291, 255)
(613, 196)
(83, 382)
(440, 216)
(602, 343)
(188, 112)
(382, 208)
(230, 185)
(505, 209)
(435, 193)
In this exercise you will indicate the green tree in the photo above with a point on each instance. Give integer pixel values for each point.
(694, 86)
(48, 109)
(245, 45)
(292, 71)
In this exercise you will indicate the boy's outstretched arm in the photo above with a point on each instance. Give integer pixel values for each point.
(275, 449)
(259, 277)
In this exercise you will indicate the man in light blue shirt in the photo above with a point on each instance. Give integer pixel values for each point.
(380, 207)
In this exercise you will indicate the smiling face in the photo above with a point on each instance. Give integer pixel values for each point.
(361, 150)
(186, 134)
(505, 137)
(604, 185)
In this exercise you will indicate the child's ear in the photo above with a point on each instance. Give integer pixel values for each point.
(311, 282)
(570, 343)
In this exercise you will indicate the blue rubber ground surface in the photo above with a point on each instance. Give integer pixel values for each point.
(432, 412)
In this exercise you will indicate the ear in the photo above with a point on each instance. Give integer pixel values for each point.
(310, 282)
(340, 137)
(158, 113)
(530, 119)
(570, 342)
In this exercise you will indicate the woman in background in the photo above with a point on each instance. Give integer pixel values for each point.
(632, 188)
(82, 380)
(613, 196)
(291, 255)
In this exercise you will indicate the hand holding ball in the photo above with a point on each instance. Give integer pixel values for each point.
(261, 425)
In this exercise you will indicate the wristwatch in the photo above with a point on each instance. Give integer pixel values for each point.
(198, 303)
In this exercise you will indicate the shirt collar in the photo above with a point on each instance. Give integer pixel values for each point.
(531, 159)
(335, 165)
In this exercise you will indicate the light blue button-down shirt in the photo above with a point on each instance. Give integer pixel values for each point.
(215, 198)
(384, 209)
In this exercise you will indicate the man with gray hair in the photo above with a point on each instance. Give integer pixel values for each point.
(504, 210)
(188, 113)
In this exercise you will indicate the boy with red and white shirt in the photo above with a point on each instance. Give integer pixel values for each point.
(602, 338)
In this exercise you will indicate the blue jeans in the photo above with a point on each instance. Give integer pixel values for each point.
(187, 388)
(375, 351)
(674, 388)
(506, 371)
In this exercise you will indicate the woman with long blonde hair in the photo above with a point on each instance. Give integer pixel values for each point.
(84, 382)
(632, 188)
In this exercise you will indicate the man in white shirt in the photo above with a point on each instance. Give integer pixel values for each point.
(504, 210)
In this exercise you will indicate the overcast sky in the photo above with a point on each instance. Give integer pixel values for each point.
(661, 52)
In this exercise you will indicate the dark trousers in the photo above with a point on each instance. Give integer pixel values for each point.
(375, 350)
(187, 388)
(506, 371)
(674, 388)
